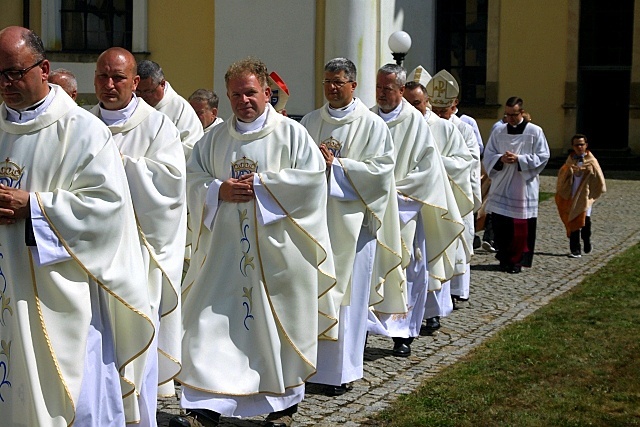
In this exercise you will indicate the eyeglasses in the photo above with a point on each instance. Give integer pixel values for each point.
(513, 114)
(337, 83)
(15, 75)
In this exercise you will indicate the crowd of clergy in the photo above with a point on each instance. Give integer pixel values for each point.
(147, 242)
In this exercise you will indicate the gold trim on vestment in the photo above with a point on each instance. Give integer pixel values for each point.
(106, 289)
(266, 288)
(48, 340)
(319, 263)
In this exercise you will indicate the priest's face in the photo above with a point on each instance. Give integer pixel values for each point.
(443, 112)
(338, 89)
(388, 92)
(151, 92)
(115, 78)
(205, 113)
(21, 90)
(417, 98)
(247, 97)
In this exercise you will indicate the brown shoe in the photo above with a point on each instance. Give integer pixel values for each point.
(275, 419)
(196, 418)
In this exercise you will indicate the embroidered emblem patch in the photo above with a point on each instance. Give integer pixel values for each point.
(11, 173)
(243, 166)
(333, 145)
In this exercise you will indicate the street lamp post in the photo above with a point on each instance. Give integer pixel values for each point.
(399, 43)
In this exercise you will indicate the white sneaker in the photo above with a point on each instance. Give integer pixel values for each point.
(572, 255)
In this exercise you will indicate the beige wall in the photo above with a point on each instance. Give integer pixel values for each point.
(11, 13)
(533, 52)
(181, 40)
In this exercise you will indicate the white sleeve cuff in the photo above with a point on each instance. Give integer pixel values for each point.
(339, 185)
(407, 208)
(211, 203)
(268, 209)
(49, 249)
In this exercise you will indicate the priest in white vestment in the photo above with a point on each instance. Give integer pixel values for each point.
(257, 294)
(75, 323)
(158, 93)
(149, 144)
(429, 216)
(514, 157)
(362, 212)
(205, 103)
(457, 162)
(443, 93)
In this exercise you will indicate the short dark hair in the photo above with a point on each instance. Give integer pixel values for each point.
(578, 136)
(410, 85)
(35, 44)
(513, 101)
(208, 96)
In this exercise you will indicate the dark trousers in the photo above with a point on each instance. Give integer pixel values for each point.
(584, 232)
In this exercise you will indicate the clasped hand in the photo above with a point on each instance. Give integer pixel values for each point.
(327, 154)
(509, 157)
(14, 204)
(237, 190)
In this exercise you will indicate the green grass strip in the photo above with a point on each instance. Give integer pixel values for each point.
(574, 362)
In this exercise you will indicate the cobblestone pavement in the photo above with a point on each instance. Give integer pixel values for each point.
(497, 299)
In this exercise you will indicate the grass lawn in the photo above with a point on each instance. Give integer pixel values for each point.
(574, 362)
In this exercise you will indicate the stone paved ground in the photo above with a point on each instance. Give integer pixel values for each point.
(497, 299)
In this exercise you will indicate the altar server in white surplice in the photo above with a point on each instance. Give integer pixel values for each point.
(156, 172)
(429, 216)
(75, 322)
(457, 162)
(362, 212)
(257, 294)
(443, 93)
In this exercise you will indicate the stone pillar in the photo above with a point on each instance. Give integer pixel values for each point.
(351, 31)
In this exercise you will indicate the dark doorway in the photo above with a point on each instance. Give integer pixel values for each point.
(604, 73)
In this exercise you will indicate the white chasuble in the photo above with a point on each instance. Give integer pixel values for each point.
(182, 114)
(156, 172)
(67, 158)
(364, 150)
(514, 187)
(257, 296)
(458, 162)
(421, 177)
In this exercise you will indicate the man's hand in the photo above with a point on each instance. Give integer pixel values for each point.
(237, 190)
(327, 154)
(509, 157)
(14, 205)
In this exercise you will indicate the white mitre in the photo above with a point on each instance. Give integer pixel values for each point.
(442, 89)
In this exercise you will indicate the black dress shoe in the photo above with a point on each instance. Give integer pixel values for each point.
(515, 269)
(401, 350)
(433, 323)
(196, 418)
(282, 418)
(337, 390)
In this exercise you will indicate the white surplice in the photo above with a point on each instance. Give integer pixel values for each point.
(84, 309)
